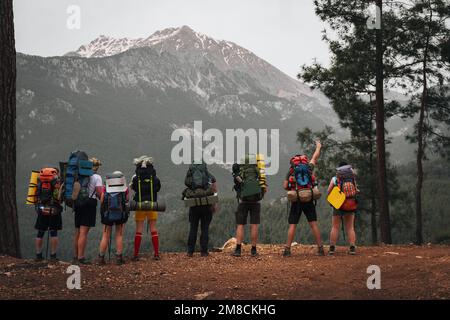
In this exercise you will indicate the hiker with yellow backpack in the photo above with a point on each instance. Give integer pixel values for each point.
(46, 197)
(146, 186)
(342, 193)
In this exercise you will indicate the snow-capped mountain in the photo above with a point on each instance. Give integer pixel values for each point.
(195, 49)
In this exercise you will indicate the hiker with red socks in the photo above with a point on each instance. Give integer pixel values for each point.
(146, 186)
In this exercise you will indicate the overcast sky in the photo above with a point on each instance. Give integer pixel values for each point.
(286, 33)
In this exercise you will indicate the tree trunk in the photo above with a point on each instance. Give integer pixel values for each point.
(373, 204)
(420, 143)
(383, 202)
(9, 227)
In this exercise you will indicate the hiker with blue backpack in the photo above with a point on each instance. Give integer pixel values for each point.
(201, 187)
(345, 181)
(114, 213)
(302, 192)
(82, 188)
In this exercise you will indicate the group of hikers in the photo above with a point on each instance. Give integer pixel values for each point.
(77, 184)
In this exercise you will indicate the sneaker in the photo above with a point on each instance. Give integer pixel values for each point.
(332, 250)
(84, 261)
(74, 260)
(287, 252)
(135, 258)
(119, 260)
(204, 254)
(39, 257)
(320, 251)
(190, 254)
(237, 252)
(53, 258)
(352, 250)
(253, 252)
(157, 258)
(101, 260)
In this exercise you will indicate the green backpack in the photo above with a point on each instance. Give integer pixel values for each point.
(250, 187)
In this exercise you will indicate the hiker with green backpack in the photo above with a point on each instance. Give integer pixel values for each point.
(346, 183)
(251, 192)
(201, 186)
(302, 192)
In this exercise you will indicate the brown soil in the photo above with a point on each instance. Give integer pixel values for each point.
(407, 272)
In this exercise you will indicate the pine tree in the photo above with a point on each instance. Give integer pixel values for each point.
(9, 230)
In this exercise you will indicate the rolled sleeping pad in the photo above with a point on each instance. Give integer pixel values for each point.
(262, 170)
(159, 206)
(203, 201)
(32, 188)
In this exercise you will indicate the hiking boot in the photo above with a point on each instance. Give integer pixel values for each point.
(74, 260)
(332, 250)
(53, 258)
(320, 251)
(287, 252)
(204, 254)
(119, 260)
(135, 258)
(39, 257)
(101, 260)
(157, 258)
(84, 261)
(352, 250)
(253, 252)
(190, 254)
(237, 252)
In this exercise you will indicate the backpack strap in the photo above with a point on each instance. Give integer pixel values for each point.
(151, 188)
(139, 193)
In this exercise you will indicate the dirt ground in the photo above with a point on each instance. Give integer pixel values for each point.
(407, 272)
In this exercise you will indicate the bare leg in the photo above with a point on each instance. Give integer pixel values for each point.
(54, 244)
(119, 238)
(316, 232)
(349, 222)
(291, 235)
(239, 233)
(75, 242)
(334, 234)
(82, 241)
(38, 244)
(105, 240)
(254, 234)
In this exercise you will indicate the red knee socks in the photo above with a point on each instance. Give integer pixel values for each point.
(137, 243)
(155, 242)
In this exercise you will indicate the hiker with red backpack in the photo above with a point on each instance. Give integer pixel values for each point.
(114, 212)
(200, 184)
(48, 209)
(302, 192)
(146, 186)
(345, 181)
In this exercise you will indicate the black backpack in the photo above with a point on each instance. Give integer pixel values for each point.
(146, 184)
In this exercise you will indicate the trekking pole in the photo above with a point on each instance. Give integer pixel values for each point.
(109, 244)
(342, 225)
(48, 240)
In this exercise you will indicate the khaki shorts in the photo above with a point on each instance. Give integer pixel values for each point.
(145, 215)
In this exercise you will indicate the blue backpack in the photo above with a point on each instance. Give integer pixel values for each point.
(302, 175)
(114, 205)
(77, 170)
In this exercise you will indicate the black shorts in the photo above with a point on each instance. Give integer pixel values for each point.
(244, 208)
(47, 222)
(308, 208)
(86, 215)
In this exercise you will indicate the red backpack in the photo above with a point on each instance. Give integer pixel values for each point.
(48, 186)
(348, 187)
(298, 160)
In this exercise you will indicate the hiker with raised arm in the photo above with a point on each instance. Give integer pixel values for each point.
(345, 182)
(146, 186)
(251, 186)
(201, 188)
(302, 192)
(114, 213)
